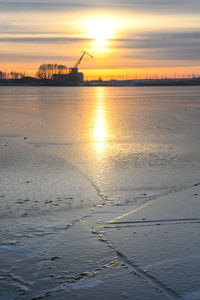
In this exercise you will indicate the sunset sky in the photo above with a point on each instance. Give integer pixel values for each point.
(129, 38)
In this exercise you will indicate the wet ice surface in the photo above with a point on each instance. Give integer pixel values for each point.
(99, 193)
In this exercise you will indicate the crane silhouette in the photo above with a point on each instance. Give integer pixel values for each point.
(75, 67)
(73, 77)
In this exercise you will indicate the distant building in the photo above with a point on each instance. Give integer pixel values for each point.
(72, 77)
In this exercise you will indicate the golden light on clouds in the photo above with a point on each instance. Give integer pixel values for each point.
(129, 43)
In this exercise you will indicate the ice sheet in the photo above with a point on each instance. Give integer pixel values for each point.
(99, 192)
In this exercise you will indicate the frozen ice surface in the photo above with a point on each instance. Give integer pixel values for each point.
(71, 264)
(99, 193)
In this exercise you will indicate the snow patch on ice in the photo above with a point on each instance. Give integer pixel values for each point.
(191, 296)
(83, 284)
(166, 261)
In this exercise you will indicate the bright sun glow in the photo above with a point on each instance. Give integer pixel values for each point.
(101, 30)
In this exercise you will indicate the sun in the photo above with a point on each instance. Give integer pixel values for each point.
(101, 30)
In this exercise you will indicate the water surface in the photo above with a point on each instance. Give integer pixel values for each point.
(85, 153)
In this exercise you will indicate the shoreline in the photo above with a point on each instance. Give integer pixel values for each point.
(122, 83)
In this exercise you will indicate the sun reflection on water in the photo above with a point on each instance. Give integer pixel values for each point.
(100, 130)
(100, 133)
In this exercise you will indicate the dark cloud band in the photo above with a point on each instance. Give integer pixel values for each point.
(155, 46)
(157, 6)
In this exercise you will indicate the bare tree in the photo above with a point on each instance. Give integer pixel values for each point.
(1, 75)
(46, 71)
(15, 75)
(62, 69)
(42, 72)
(12, 75)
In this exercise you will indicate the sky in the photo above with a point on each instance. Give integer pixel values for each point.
(128, 38)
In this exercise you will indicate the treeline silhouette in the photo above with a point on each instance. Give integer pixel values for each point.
(46, 71)
(11, 75)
